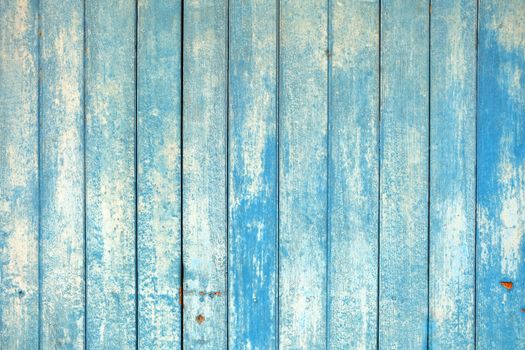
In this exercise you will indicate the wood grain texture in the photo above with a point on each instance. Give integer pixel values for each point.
(62, 175)
(19, 189)
(204, 174)
(354, 175)
(501, 175)
(159, 173)
(403, 293)
(303, 123)
(253, 175)
(452, 174)
(110, 170)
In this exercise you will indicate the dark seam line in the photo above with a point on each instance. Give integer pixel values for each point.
(379, 154)
(84, 47)
(136, 181)
(278, 96)
(328, 173)
(39, 169)
(476, 182)
(429, 101)
(227, 286)
(181, 150)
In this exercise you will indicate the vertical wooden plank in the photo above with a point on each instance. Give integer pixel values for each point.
(204, 173)
(452, 174)
(253, 175)
(403, 303)
(303, 174)
(110, 181)
(19, 198)
(159, 190)
(62, 174)
(501, 175)
(354, 175)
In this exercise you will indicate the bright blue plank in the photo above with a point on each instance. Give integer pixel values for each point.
(501, 175)
(159, 190)
(253, 175)
(110, 181)
(62, 175)
(452, 174)
(19, 199)
(354, 175)
(204, 174)
(403, 292)
(303, 123)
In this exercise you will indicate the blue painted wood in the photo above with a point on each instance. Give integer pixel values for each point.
(110, 174)
(204, 174)
(276, 189)
(501, 175)
(253, 162)
(403, 290)
(354, 175)
(159, 174)
(303, 124)
(19, 197)
(62, 175)
(452, 174)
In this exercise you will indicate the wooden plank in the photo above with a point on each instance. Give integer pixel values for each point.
(501, 175)
(354, 175)
(253, 175)
(452, 174)
(62, 174)
(303, 123)
(159, 177)
(204, 174)
(19, 190)
(403, 290)
(110, 180)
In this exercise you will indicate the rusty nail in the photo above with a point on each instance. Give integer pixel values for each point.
(200, 319)
(507, 285)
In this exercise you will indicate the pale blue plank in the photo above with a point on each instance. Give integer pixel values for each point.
(303, 123)
(501, 175)
(354, 175)
(19, 199)
(62, 175)
(159, 190)
(452, 174)
(253, 175)
(403, 291)
(110, 181)
(204, 174)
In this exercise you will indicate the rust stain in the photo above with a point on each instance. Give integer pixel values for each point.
(507, 285)
(180, 296)
(200, 319)
(522, 309)
(218, 294)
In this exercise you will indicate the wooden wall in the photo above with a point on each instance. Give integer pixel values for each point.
(262, 174)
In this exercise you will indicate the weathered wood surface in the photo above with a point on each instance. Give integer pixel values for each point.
(452, 174)
(501, 175)
(403, 275)
(303, 131)
(19, 177)
(252, 288)
(110, 174)
(353, 175)
(255, 174)
(204, 194)
(159, 173)
(62, 175)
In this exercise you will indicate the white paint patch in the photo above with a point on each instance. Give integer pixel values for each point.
(511, 217)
